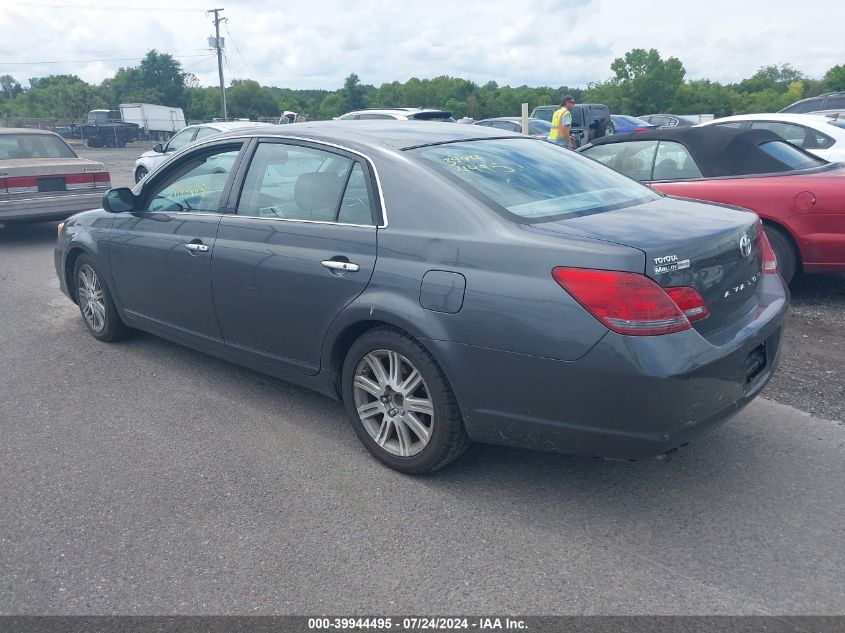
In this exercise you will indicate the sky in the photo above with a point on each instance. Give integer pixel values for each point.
(307, 44)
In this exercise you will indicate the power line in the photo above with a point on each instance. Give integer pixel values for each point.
(27, 5)
(246, 63)
(89, 61)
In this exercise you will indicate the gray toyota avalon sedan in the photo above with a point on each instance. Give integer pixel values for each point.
(449, 283)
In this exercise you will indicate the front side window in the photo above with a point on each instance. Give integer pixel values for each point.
(181, 139)
(634, 159)
(373, 115)
(195, 185)
(530, 180)
(674, 162)
(303, 183)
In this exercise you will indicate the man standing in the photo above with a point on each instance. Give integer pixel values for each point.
(561, 122)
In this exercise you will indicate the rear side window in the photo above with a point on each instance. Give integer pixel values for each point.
(798, 135)
(674, 162)
(530, 180)
(303, 183)
(790, 156)
(836, 102)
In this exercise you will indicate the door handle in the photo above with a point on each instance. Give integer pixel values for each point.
(196, 248)
(335, 265)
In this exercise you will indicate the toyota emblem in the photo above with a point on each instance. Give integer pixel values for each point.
(745, 245)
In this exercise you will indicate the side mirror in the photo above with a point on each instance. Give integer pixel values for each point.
(119, 200)
(158, 148)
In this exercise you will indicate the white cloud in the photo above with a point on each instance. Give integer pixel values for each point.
(317, 43)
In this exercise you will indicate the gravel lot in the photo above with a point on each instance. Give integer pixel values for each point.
(811, 376)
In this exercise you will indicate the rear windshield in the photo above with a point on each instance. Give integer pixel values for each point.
(531, 180)
(16, 146)
(434, 116)
(790, 155)
(838, 122)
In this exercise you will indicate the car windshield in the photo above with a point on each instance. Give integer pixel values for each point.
(16, 146)
(532, 180)
(790, 155)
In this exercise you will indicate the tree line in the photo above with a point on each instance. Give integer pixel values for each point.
(642, 83)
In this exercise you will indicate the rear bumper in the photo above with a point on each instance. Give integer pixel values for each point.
(628, 398)
(49, 206)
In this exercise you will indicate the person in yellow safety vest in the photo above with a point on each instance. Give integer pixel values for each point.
(561, 122)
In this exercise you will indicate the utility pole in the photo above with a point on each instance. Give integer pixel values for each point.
(218, 44)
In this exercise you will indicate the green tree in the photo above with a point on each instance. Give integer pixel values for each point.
(647, 82)
(834, 79)
(352, 94)
(247, 98)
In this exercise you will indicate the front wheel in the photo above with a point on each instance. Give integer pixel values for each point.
(608, 130)
(784, 252)
(140, 173)
(95, 302)
(400, 404)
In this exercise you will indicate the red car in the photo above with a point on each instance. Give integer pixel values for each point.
(799, 197)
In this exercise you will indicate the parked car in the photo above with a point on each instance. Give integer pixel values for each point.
(42, 178)
(624, 124)
(448, 283)
(399, 114)
(667, 120)
(149, 160)
(536, 127)
(800, 198)
(818, 134)
(589, 120)
(826, 101)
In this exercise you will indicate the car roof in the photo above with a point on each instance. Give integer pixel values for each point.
(516, 119)
(230, 125)
(395, 110)
(379, 133)
(812, 119)
(719, 151)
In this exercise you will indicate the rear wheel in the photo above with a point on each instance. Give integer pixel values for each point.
(400, 404)
(95, 302)
(784, 252)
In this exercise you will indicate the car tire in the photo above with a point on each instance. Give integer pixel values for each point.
(140, 172)
(413, 438)
(784, 252)
(95, 303)
(608, 129)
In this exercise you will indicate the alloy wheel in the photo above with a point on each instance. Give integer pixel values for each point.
(393, 402)
(91, 300)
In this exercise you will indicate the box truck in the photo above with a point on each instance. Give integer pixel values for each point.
(155, 122)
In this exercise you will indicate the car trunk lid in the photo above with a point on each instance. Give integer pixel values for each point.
(45, 175)
(715, 249)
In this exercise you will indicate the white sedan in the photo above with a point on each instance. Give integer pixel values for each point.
(155, 157)
(817, 134)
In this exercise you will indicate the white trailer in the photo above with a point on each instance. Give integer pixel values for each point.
(154, 121)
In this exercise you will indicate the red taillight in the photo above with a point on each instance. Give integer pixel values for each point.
(689, 301)
(102, 176)
(22, 185)
(770, 262)
(630, 303)
(2, 185)
(641, 129)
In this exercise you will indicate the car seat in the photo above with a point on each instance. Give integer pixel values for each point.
(318, 193)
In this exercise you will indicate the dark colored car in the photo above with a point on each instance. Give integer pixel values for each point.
(448, 282)
(666, 120)
(826, 101)
(589, 120)
(624, 124)
(800, 197)
(536, 127)
(42, 178)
